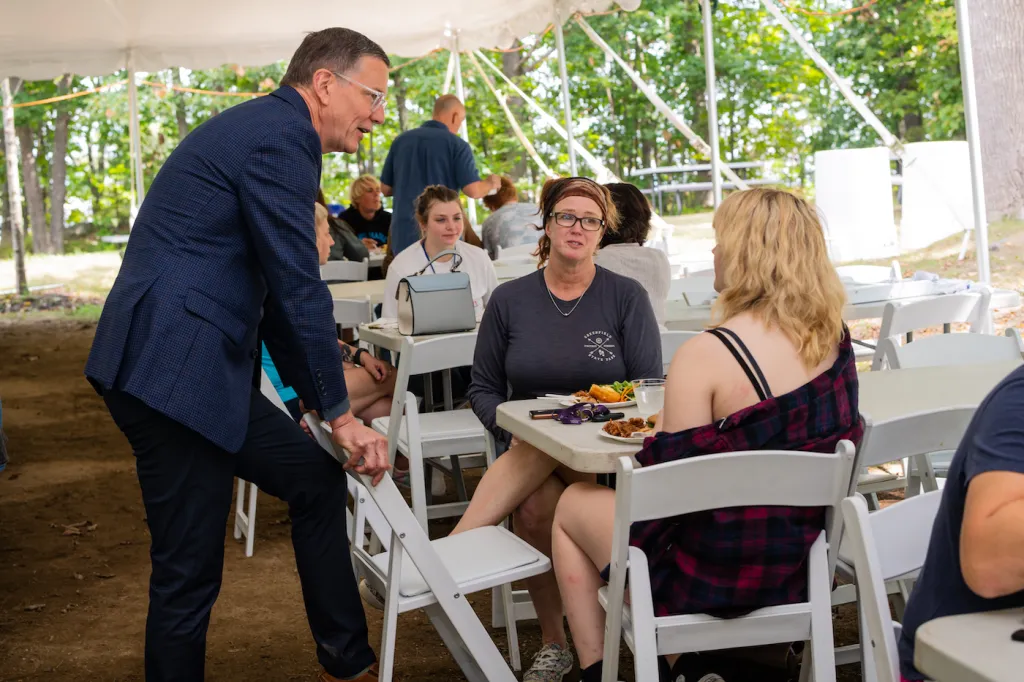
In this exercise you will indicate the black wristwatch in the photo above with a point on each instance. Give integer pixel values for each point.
(355, 358)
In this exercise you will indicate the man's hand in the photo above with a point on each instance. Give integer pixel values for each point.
(368, 450)
(371, 244)
(378, 369)
(495, 181)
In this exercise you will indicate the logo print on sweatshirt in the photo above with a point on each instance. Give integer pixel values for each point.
(600, 346)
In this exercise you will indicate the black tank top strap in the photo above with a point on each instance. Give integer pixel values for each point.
(746, 361)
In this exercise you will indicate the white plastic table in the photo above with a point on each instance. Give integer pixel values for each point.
(883, 395)
(974, 647)
(682, 317)
(373, 288)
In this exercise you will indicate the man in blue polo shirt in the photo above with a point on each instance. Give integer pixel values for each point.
(975, 558)
(432, 154)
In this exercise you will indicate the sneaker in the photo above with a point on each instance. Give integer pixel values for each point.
(438, 486)
(551, 664)
(372, 597)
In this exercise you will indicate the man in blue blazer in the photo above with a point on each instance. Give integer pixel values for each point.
(223, 254)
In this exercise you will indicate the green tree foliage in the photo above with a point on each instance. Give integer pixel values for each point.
(774, 105)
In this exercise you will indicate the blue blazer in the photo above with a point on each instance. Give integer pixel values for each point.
(222, 254)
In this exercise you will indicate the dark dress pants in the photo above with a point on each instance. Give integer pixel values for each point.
(187, 484)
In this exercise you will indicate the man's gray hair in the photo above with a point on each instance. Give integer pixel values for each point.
(336, 49)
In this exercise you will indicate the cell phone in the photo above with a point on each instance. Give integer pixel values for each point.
(543, 414)
(607, 417)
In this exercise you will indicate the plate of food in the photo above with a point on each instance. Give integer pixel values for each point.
(619, 394)
(633, 430)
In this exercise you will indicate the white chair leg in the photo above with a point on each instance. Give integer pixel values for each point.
(239, 508)
(389, 628)
(963, 245)
(250, 532)
(867, 659)
(510, 627)
(497, 608)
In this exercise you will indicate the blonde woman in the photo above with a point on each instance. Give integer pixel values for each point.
(368, 220)
(777, 372)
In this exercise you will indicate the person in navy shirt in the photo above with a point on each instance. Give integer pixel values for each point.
(223, 255)
(975, 558)
(432, 154)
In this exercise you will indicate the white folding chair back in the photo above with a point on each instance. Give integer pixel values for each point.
(352, 312)
(345, 270)
(757, 478)
(695, 289)
(670, 343)
(912, 436)
(245, 510)
(886, 545)
(522, 253)
(512, 270)
(453, 433)
(952, 349)
(870, 274)
(902, 317)
(417, 573)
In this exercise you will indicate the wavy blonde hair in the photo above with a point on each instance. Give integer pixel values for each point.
(364, 184)
(775, 263)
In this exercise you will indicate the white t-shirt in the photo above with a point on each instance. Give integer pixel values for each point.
(475, 263)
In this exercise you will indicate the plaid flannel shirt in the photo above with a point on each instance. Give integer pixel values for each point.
(728, 562)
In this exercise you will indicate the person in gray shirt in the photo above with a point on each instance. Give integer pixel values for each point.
(511, 223)
(559, 330)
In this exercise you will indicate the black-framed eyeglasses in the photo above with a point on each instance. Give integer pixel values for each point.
(568, 220)
(380, 99)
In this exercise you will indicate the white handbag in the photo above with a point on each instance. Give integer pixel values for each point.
(436, 303)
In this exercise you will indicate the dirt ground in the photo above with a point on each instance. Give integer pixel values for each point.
(74, 558)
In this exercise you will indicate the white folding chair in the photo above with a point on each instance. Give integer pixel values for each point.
(952, 349)
(761, 478)
(245, 510)
(913, 437)
(522, 253)
(345, 270)
(508, 271)
(436, 576)
(670, 343)
(905, 317)
(943, 350)
(870, 274)
(452, 433)
(694, 289)
(885, 546)
(352, 312)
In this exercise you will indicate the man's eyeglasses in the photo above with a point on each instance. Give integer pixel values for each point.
(379, 98)
(568, 220)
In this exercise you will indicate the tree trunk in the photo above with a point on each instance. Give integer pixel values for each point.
(33, 191)
(59, 172)
(180, 114)
(997, 27)
(512, 66)
(400, 101)
(7, 89)
(5, 207)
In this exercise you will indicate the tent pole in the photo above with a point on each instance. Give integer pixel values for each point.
(460, 92)
(566, 102)
(139, 193)
(448, 75)
(963, 27)
(852, 97)
(696, 141)
(711, 92)
(525, 141)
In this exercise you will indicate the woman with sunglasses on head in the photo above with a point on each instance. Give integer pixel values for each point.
(567, 326)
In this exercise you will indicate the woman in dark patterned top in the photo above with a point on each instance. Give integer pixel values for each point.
(777, 373)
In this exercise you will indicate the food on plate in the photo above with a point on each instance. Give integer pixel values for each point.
(620, 391)
(628, 428)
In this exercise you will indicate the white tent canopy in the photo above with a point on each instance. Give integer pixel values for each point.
(45, 38)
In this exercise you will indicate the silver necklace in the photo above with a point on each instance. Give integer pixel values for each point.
(578, 300)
